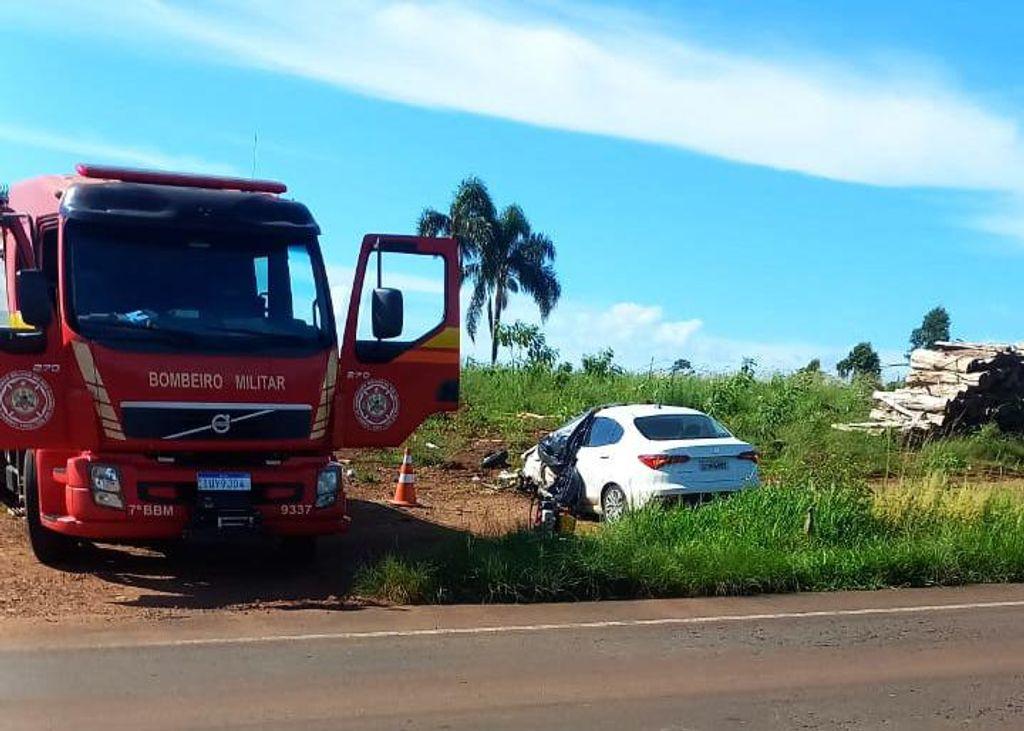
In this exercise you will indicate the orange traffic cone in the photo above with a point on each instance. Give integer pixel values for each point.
(405, 490)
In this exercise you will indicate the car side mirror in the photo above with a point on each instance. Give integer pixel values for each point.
(34, 298)
(388, 313)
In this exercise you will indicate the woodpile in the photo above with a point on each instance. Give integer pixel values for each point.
(953, 387)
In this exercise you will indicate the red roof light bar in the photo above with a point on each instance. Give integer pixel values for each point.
(214, 182)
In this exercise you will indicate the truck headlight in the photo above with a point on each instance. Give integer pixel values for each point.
(105, 482)
(328, 483)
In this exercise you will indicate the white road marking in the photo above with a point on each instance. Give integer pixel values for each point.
(525, 628)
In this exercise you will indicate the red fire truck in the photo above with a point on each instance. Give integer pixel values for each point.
(170, 365)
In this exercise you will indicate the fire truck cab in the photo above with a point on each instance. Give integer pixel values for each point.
(170, 364)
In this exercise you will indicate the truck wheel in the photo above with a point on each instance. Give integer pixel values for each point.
(299, 550)
(50, 547)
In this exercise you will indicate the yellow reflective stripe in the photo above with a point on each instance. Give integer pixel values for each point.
(94, 383)
(16, 322)
(447, 339)
(323, 410)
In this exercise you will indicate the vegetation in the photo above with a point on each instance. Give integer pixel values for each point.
(774, 539)
(788, 417)
(502, 255)
(601, 365)
(934, 328)
(528, 346)
(862, 362)
(681, 366)
(881, 512)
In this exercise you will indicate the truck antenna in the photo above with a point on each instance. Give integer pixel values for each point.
(255, 145)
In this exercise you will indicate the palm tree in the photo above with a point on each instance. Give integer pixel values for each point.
(468, 221)
(501, 255)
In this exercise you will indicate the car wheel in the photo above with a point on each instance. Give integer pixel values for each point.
(49, 547)
(613, 503)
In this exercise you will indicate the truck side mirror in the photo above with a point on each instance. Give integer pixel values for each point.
(34, 298)
(388, 313)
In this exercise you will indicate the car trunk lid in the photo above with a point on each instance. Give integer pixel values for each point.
(706, 460)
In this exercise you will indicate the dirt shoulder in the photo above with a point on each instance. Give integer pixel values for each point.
(114, 582)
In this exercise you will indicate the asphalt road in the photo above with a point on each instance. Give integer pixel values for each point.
(950, 658)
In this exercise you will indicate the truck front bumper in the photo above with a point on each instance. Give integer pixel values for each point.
(161, 500)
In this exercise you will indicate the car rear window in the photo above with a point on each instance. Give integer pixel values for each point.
(668, 427)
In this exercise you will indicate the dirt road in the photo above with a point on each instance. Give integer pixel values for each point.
(109, 582)
(914, 659)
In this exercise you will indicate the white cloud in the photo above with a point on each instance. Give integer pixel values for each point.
(623, 78)
(643, 336)
(93, 150)
(1007, 221)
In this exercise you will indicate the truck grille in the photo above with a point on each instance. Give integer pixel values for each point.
(183, 421)
(184, 493)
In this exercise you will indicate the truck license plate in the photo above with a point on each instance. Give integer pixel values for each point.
(225, 481)
(713, 465)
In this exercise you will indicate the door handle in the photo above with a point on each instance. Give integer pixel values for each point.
(604, 456)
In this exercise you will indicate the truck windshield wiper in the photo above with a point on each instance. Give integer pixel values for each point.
(112, 322)
(294, 337)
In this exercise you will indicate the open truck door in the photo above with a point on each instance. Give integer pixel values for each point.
(33, 404)
(400, 351)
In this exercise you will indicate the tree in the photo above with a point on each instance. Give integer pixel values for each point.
(862, 361)
(469, 219)
(934, 328)
(528, 344)
(501, 255)
(813, 367)
(682, 367)
(601, 364)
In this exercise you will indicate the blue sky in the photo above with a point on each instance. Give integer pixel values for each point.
(722, 179)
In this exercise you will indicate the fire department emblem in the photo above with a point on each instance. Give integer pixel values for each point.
(376, 404)
(26, 400)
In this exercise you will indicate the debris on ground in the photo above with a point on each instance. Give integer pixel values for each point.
(495, 460)
(531, 415)
(535, 471)
(952, 387)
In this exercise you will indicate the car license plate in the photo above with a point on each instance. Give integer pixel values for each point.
(717, 464)
(225, 481)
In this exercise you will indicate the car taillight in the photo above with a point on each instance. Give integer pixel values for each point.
(660, 461)
(750, 457)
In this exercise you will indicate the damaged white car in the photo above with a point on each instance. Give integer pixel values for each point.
(626, 456)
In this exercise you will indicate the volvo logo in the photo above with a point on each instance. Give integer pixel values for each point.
(221, 423)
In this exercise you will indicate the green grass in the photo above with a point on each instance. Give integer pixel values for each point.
(752, 543)
(789, 419)
(932, 528)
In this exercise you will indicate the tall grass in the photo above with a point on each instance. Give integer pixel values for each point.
(823, 522)
(789, 418)
(768, 540)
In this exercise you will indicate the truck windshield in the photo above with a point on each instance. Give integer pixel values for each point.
(215, 289)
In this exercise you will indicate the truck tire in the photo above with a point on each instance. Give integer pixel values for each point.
(298, 550)
(50, 547)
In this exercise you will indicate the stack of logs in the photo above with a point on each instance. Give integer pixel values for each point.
(953, 387)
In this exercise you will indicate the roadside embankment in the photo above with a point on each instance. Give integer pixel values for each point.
(774, 539)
